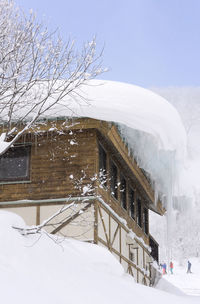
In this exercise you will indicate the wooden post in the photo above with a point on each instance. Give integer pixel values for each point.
(95, 222)
(120, 243)
(38, 215)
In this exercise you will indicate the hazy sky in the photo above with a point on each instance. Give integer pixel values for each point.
(147, 42)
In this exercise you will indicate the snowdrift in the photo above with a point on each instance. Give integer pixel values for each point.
(45, 269)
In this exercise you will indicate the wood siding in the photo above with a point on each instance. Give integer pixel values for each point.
(65, 163)
(60, 166)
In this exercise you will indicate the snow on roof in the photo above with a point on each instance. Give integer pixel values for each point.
(150, 125)
(130, 105)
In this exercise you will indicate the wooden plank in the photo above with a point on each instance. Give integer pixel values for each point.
(38, 215)
(115, 234)
(124, 227)
(120, 242)
(123, 258)
(96, 222)
(104, 227)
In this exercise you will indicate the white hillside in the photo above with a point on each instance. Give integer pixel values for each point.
(36, 269)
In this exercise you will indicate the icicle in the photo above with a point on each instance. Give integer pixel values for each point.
(169, 215)
(155, 195)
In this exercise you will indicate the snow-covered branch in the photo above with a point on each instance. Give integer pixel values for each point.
(38, 228)
(38, 70)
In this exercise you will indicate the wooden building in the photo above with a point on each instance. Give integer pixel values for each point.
(85, 165)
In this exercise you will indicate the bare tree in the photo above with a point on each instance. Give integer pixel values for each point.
(37, 71)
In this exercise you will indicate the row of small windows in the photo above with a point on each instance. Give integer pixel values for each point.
(121, 191)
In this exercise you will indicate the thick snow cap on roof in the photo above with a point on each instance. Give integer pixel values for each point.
(150, 125)
(135, 107)
(130, 105)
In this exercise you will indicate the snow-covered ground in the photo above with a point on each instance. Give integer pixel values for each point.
(42, 269)
(189, 283)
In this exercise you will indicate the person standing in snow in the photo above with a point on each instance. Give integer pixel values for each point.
(189, 267)
(164, 268)
(171, 266)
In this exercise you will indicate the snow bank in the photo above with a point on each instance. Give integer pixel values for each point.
(168, 287)
(36, 269)
(189, 283)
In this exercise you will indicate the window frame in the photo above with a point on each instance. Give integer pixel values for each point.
(18, 179)
(102, 161)
(146, 220)
(139, 212)
(131, 203)
(113, 183)
(123, 192)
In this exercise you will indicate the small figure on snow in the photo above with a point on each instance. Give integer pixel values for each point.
(171, 266)
(189, 267)
(164, 268)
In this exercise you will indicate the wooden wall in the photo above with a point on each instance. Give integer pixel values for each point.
(63, 163)
(60, 166)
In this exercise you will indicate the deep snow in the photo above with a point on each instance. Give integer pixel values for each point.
(43, 269)
(189, 283)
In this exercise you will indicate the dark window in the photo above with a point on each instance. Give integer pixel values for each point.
(146, 220)
(131, 203)
(14, 164)
(154, 249)
(102, 165)
(139, 214)
(132, 256)
(113, 179)
(123, 192)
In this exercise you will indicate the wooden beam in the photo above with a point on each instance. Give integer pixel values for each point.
(115, 234)
(96, 222)
(104, 227)
(38, 215)
(65, 223)
(123, 258)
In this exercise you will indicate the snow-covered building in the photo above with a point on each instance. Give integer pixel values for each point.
(86, 162)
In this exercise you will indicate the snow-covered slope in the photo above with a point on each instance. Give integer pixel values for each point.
(189, 283)
(42, 269)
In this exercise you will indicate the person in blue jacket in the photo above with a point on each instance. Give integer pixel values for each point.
(164, 268)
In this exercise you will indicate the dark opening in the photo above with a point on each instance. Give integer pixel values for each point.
(154, 249)
(132, 257)
(14, 164)
(131, 203)
(146, 220)
(102, 165)
(139, 215)
(113, 179)
(123, 188)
